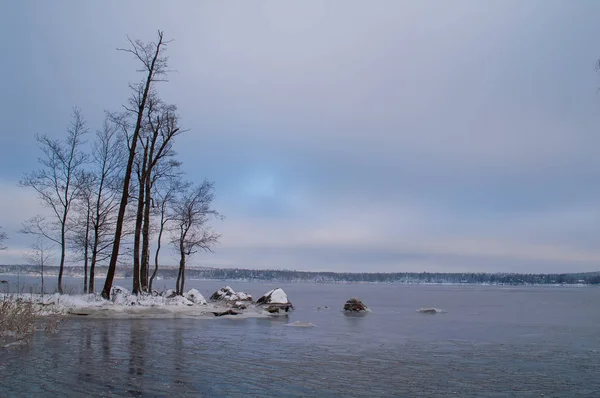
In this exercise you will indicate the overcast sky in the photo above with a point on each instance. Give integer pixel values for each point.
(341, 135)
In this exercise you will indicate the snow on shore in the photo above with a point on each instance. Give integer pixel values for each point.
(123, 304)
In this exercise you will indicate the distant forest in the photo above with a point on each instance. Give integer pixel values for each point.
(591, 278)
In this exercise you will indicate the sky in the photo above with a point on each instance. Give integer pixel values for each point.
(348, 136)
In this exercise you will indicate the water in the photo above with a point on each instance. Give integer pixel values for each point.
(492, 341)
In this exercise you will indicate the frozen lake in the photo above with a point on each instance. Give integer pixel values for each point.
(491, 341)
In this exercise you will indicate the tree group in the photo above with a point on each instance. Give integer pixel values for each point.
(109, 205)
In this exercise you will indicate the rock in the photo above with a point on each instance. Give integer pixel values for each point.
(239, 305)
(228, 312)
(275, 296)
(169, 293)
(122, 296)
(428, 310)
(275, 301)
(119, 290)
(355, 305)
(195, 296)
(77, 313)
(179, 300)
(228, 294)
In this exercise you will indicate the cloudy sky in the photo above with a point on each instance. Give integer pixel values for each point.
(341, 135)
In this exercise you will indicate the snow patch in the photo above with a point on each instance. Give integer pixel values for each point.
(275, 296)
(126, 305)
(228, 294)
(195, 297)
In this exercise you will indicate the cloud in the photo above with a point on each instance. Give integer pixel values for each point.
(385, 240)
(395, 136)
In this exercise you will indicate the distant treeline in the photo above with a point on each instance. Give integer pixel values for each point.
(592, 278)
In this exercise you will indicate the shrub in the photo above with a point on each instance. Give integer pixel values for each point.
(19, 318)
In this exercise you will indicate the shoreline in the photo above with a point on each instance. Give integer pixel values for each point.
(142, 306)
(301, 281)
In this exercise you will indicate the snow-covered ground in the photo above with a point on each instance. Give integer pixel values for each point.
(123, 304)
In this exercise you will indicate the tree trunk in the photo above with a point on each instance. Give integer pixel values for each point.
(96, 232)
(94, 259)
(86, 251)
(139, 218)
(180, 275)
(63, 242)
(177, 290)
(92, 272)
(182, 266)
(160, 232)
(110, 275)
(146, 235)
(42, 280)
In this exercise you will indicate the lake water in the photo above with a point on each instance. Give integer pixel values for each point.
(491, 341)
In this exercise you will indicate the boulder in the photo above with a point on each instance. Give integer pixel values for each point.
(278, 309)
(122, 296)
(119, 290)
(355, 305)
(275, 301)
(239, 305)
(428, 310)
(228, 312)
(169, 293)
(178, 300)
(195, 296)
(228, 294)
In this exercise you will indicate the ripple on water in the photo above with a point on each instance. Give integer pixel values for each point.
(383, 354)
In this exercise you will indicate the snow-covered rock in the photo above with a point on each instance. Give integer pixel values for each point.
(195, 296)
(239, 305)
(119, 290)
(275, 301)
(169, 293)
(126, 305)
(120, 295)
(275, 296)
(355, 305)
(228, 294)
(178, 300)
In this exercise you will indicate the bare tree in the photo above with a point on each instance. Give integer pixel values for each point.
(3, 237)
(191, 213)
(82, 222)
(56, 185)
(108, 154)
(164, 195)
(155, 67)
(39, 254)
(141, 171)
(156, 139)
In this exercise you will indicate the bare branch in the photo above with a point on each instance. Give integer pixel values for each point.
(56, 184)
